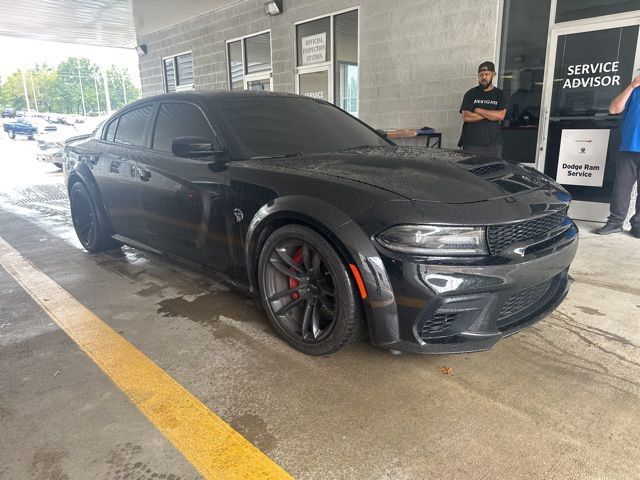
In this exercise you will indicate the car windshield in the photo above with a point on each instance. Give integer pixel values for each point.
(275, 126)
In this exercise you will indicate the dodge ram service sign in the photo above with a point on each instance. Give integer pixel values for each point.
(582, 158)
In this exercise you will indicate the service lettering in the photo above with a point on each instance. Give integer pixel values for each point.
(589, 75)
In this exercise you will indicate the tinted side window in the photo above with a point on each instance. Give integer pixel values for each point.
(110, 131)
(131, 126)
(179, 120)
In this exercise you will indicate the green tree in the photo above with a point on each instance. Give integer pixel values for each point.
(120, 86)
(13, 91)
(58, 89)
(75, 82)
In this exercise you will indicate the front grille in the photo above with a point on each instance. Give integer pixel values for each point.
(437, 323)
(487, 169)
(500, 237)
(522, 300)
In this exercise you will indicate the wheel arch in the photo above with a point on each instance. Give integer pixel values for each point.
(350, 242)
(83, 175)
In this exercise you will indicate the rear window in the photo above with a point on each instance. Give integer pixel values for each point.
(130, 130)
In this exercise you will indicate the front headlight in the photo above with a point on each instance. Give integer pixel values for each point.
(435, 240)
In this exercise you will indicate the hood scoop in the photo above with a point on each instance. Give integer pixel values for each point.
(488, 169)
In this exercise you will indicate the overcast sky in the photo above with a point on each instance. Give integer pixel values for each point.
(25, 53)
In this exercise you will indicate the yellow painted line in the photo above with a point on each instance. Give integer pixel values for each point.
(212, 446)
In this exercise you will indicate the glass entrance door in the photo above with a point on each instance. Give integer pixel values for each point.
(580, 141)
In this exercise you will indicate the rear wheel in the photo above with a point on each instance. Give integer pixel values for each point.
(307, 291)
(91, 231)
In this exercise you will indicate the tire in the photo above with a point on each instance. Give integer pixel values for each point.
(58, 164)
(12, 134)
(30, 137)
(307, 291)
(91, 231)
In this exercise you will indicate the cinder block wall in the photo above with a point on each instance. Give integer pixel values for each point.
(417, 57)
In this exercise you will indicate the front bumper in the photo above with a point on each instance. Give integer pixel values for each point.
(455, 308)
(50, 155)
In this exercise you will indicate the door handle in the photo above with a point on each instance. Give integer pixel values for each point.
(144, 175)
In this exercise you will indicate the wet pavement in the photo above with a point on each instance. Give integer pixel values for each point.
(560, 400)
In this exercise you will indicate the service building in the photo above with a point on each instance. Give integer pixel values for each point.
(407, 63)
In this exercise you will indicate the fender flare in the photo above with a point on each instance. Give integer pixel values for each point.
(353, 244)
(82, 173)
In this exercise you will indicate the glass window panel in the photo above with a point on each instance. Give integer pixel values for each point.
(111, 131)
(568, 10)
(263, 85)
(131, 126)
(258, 53)
(177, 120)
(314, 85)
(591, 69)
(346, 64)
(169, 75)
(184, 67)
(347, 92)
(235, 66)
(316, 36)
(523, 51)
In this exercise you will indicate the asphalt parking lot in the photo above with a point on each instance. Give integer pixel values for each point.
(560, 400)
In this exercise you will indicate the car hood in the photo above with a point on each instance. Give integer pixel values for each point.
(422, 174)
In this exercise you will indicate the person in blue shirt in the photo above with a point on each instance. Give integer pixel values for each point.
(628, 162)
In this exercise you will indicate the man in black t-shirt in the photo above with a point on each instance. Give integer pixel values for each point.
(483, 108)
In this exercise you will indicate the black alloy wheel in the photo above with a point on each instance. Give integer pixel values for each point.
(307, 292)
(86, 221)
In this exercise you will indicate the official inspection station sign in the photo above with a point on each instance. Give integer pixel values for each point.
(582, 158)
(314, 48)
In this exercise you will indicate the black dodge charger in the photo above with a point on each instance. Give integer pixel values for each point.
(333, 226)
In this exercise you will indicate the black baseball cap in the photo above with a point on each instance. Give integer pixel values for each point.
(486, 67)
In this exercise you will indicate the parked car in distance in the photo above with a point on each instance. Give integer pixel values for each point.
(330, 224)
(8, 113)
(53, 141)
(20, 127)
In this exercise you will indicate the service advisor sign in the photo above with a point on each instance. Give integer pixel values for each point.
(582, 158)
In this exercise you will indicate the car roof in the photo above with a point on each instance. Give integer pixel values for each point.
(210, 97)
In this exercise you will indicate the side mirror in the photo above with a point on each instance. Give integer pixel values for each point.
(193, 147)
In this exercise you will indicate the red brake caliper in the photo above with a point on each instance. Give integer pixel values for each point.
(293, 283)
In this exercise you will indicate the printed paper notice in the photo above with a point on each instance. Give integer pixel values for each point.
(582, 158)
(314, 48)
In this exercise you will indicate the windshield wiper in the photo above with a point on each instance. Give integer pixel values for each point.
(276, 155)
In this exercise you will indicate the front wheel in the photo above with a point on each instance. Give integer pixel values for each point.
(12, 134)
(308, 294)
(88, 225)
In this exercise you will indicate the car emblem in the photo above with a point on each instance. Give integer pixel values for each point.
(238, 214)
